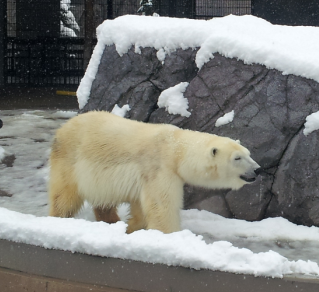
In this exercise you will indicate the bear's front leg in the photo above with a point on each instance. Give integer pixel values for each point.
(137, 220)
(162, 205)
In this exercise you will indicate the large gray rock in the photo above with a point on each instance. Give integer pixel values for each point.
(138, 79)
(270, 111)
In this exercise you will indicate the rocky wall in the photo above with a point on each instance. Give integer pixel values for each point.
(270, 112)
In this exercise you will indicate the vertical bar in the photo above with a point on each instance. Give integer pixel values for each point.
(11, 61)
(89, 31)
(28, 61)
(65, 64)
(193, 9)
(3, 42)
(109, 9)
(172, 8)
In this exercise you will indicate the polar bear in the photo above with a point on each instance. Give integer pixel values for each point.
(108, 160)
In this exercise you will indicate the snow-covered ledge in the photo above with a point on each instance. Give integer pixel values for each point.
(39, 268)
(260, 79)
(291, 50)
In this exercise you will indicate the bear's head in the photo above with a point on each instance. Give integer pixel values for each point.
(218, 163)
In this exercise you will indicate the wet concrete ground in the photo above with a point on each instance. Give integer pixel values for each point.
(292, 250)
(36, 98)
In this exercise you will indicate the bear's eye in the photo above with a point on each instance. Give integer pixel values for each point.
(213, 151)
(237, 158)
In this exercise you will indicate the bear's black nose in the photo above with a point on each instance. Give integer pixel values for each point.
(258, 171)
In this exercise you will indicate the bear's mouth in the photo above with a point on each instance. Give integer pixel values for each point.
(248, 179)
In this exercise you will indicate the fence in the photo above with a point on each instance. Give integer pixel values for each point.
(218, 8)
(44, 39)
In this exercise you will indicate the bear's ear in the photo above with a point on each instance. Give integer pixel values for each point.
(213, 151)
(238, 141)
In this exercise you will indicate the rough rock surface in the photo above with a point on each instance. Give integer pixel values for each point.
(8, 160)
(270, 112)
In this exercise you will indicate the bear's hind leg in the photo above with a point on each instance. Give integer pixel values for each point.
(64, 202)
(137, 220)
(106, 214)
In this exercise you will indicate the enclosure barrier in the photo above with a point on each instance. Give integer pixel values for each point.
(26, 267)
(49, 42)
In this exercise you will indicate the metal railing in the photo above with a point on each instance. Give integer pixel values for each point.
(44, 40)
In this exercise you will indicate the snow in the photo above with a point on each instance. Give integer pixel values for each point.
(2, 153)
(68, 24)
(172, 99)
(291, 50)
(110, 240)
(267, 229)
(312, 123)
(64, 114)
(207, 241)
(121, 111)
(225, 119)
(84, 89)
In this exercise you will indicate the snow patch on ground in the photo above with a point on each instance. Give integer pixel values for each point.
(64, 114)
(2, 153)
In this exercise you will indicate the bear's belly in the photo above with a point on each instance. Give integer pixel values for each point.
(102, 185)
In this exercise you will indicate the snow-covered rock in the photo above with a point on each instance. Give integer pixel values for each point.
(269, 80)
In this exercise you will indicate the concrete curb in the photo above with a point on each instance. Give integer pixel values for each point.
(64, 270)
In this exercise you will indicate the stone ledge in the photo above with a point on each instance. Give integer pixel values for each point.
(14, 281)
(33, 267)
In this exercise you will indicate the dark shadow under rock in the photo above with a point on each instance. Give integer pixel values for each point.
(5, 194)
(8, 160)
(204, 199)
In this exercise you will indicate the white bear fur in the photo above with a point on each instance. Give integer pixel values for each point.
(108, 160)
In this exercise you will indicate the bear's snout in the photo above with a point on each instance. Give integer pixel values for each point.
(251, 176)
(258, 171)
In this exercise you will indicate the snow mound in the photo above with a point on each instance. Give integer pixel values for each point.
(64, 114)
(291, 50)
(225, 119)
(121, 111)
(152, 246)
(312, 123)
